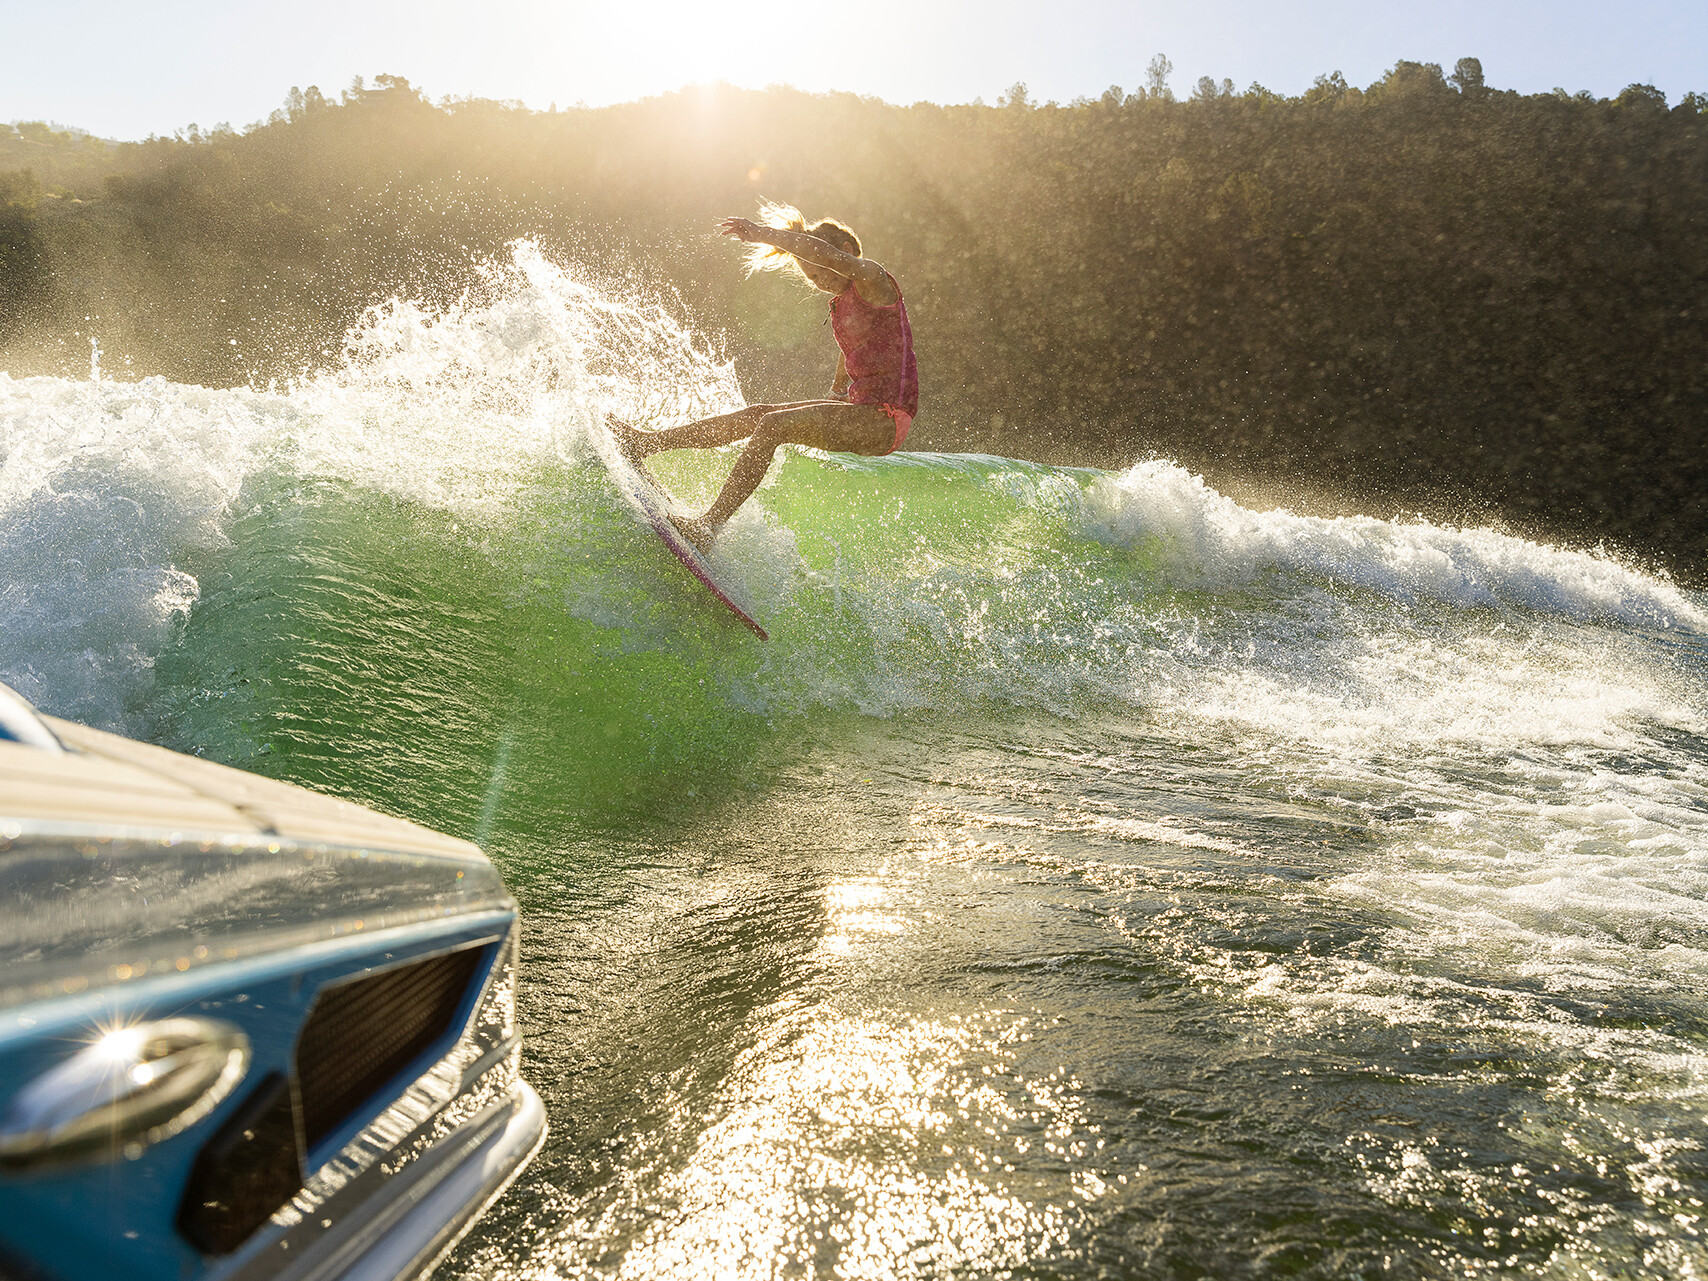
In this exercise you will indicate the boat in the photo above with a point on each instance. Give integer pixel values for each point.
(246, 1030)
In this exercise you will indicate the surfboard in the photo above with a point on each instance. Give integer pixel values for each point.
(653, 503)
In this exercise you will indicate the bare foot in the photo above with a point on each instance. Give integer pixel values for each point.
(629, 439)
(695, 530)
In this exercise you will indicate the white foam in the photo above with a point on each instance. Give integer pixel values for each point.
(104, 488)
(457, 408)
(1200, 536)
(108, 490)
(1569, 874)
(1445, 689)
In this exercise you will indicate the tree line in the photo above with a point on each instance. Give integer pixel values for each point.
(1425, 294)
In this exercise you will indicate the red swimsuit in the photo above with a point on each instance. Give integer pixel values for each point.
(877, 348)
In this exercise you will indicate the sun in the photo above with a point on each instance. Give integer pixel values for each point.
(618, 53)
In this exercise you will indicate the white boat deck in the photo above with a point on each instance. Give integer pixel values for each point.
(107, 782)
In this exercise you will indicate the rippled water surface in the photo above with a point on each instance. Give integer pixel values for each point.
(1092, 876)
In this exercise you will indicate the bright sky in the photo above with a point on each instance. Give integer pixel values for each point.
(125, 70)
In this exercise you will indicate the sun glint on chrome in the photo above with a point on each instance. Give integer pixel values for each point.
(132, 1087)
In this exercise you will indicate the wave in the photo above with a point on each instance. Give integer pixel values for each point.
(447, 456)
(1202, 536)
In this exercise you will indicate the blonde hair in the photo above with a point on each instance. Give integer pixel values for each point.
(787, 218)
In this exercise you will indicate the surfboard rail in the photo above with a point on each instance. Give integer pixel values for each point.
(653, 503)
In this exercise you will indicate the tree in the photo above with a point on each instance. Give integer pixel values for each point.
(42, 132)
(1646, 97)
(23, 265)
(20, 190)
(1156, 79)
(1330, 88)
(1411, 80)
(396, 85)
(1467, 77)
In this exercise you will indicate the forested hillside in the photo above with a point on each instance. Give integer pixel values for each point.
(1425, 293)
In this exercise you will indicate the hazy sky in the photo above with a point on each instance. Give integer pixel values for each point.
(125, 70)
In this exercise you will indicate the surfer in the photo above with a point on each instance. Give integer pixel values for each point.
(874, 393)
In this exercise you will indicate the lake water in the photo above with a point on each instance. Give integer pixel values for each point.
(1091, 877)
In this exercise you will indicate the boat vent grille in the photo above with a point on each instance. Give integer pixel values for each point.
(365, 1031)
(361, 1035)
(245, 1172)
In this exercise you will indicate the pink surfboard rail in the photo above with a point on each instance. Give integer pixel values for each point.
(652, 503)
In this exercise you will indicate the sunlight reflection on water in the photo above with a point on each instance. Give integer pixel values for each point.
(863, 1147)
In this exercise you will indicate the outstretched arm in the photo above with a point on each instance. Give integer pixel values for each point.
(871, 280)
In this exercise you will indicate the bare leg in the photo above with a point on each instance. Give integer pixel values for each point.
(825, 424)
(707, 433)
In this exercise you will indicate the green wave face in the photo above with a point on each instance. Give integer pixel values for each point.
(376, 648)
(560, 662)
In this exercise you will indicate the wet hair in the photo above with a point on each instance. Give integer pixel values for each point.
(787, 218)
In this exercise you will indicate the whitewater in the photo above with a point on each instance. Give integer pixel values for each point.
(1092, 876)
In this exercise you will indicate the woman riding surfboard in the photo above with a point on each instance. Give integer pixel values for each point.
(874, 393)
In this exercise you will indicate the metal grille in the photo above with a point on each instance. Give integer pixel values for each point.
(251, 1167)
(362, 1033)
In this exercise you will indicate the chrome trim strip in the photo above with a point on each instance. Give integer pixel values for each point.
(424, 1216)
(443, 1217)
(13, 829)
(269, 959)
(79, 913)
